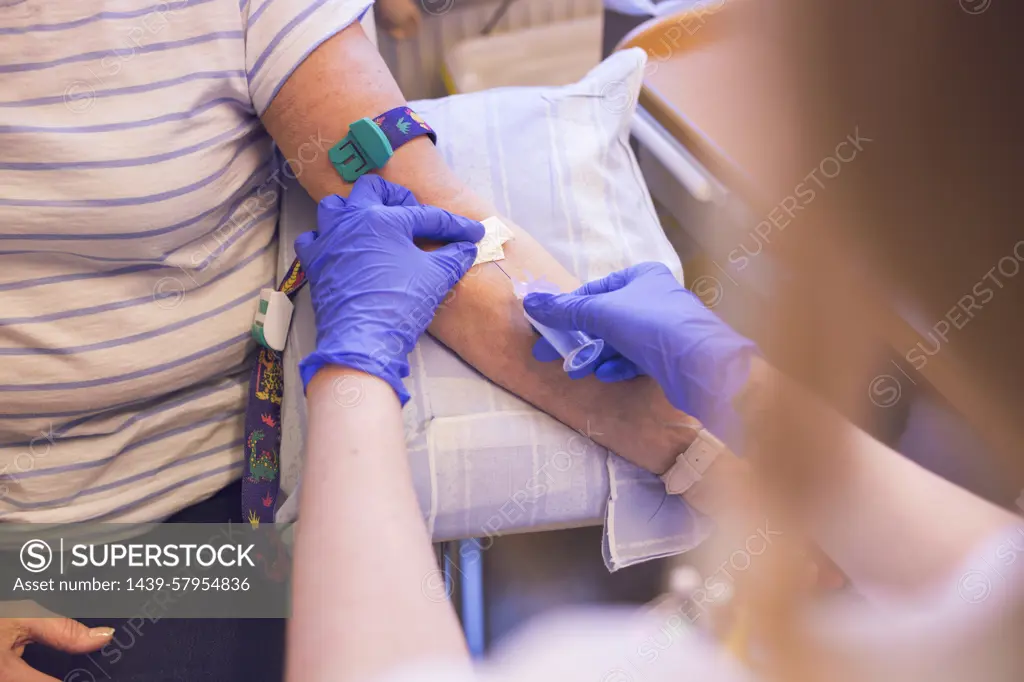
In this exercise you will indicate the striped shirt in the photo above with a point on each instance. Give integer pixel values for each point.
(138, 211)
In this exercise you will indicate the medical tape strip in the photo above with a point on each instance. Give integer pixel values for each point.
(496, 235)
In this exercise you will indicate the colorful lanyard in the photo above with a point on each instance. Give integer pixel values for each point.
(261, 478)
(369, 145)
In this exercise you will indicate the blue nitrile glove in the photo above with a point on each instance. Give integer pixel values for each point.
(656, 326)
(374, 291)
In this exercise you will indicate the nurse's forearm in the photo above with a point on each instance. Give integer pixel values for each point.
(345, 79)
(889, 524)
(366, 592)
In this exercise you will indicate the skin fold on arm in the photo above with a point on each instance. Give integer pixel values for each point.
(344, 80)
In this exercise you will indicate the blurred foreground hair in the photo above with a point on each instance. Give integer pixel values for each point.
(915, 252)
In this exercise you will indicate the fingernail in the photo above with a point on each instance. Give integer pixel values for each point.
(101, 632)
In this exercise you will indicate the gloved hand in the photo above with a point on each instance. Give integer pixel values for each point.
(656, 327)
(374, 291)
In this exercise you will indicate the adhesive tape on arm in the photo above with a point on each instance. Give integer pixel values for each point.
(496, 234)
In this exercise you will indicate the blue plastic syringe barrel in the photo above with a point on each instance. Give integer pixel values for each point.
(579, 350)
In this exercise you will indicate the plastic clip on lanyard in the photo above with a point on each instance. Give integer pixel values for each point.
(369, 145)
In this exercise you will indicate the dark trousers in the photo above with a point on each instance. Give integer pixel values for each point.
(178, 649)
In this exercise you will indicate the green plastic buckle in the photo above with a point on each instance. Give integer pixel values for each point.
(364, 149)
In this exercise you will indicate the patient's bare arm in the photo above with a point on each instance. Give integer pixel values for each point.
(344, 80)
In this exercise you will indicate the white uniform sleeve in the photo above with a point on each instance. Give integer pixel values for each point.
(968, 628)
(597, 645)
(280, 34)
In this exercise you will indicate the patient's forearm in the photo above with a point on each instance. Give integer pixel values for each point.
(344, 80)
(485, 324)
